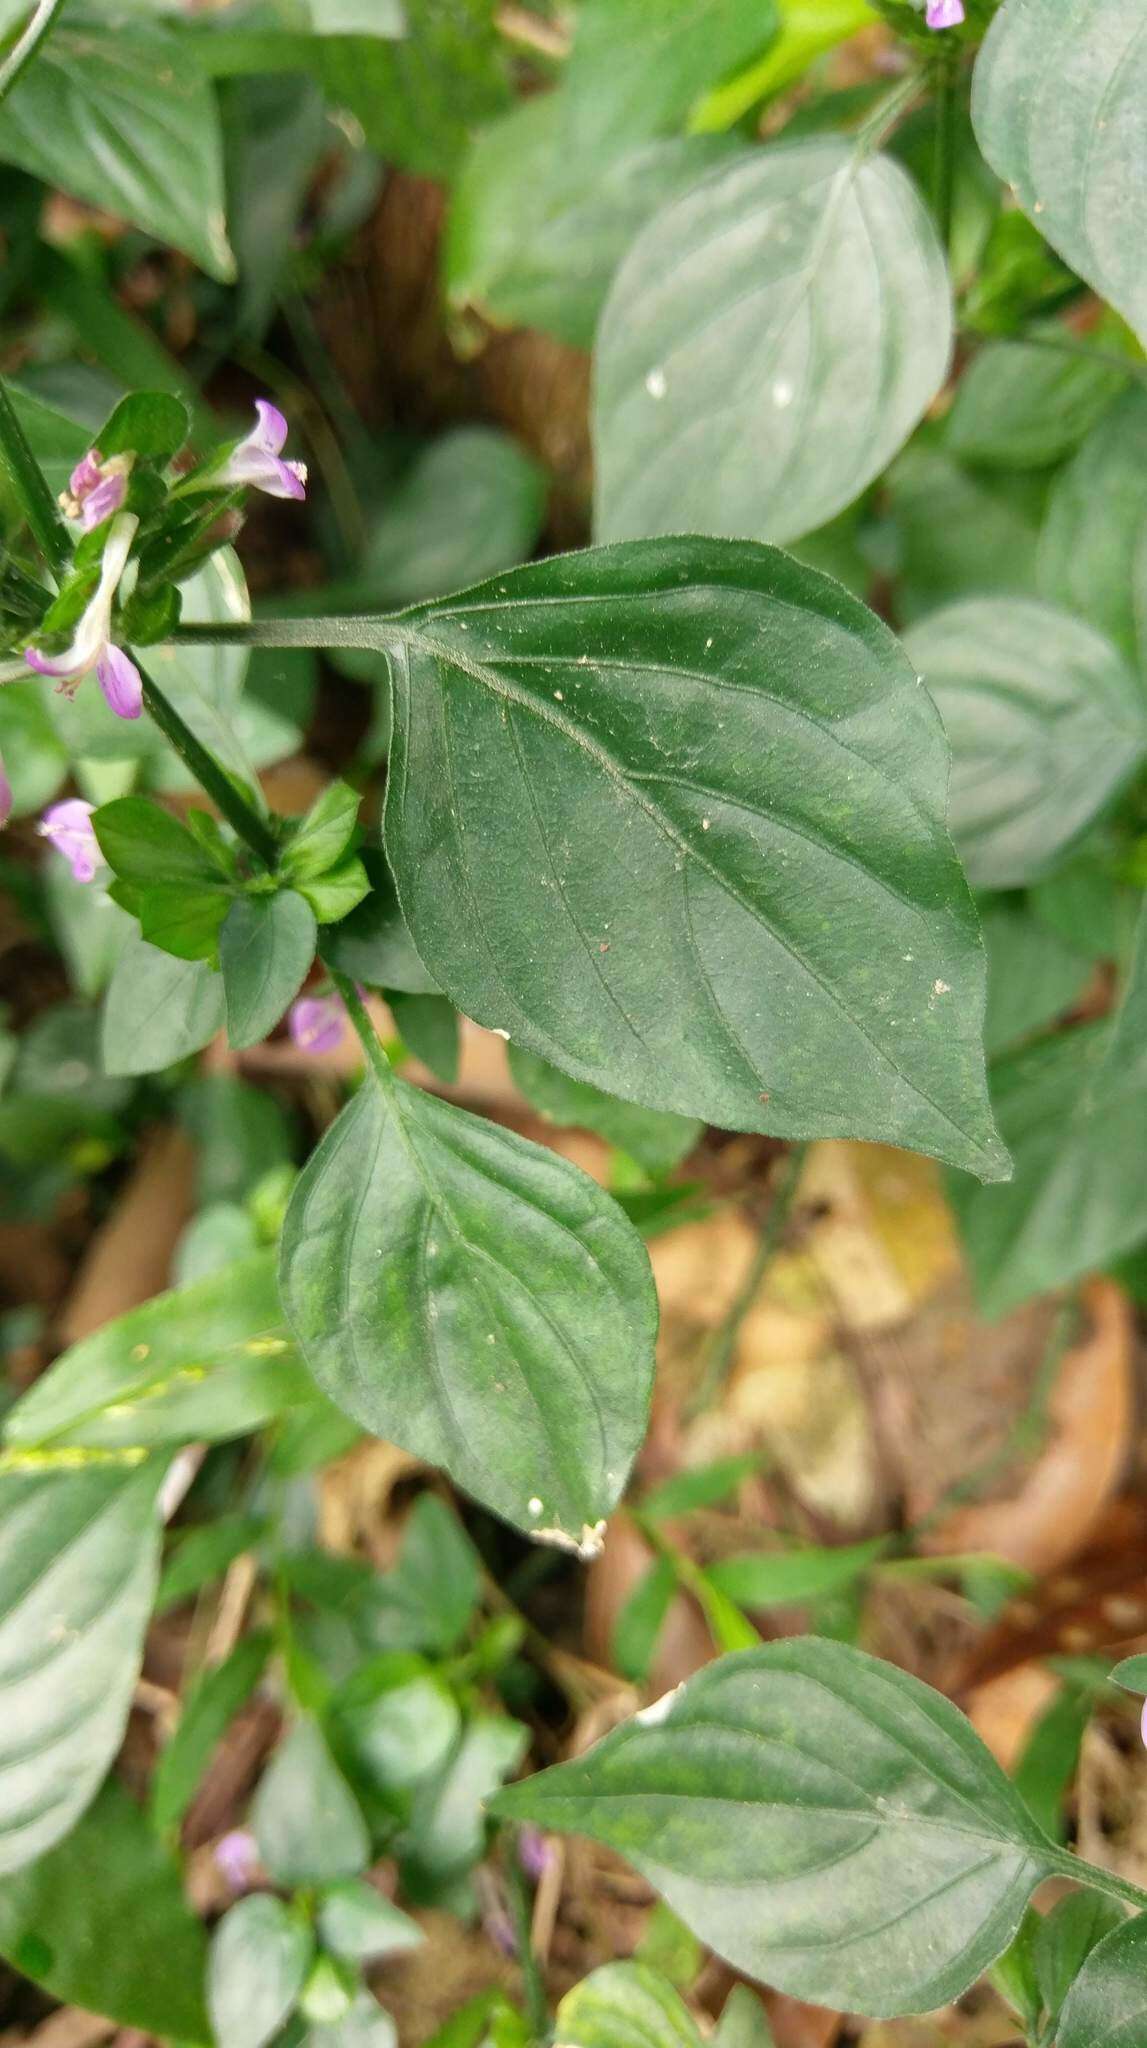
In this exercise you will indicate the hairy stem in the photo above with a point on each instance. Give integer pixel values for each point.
(43, 20)
(31, 487)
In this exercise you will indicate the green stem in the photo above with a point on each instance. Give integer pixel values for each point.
(31, 488)
(25, 47)
(225, 794)
(537, 2004)
(1096, 1880)
(367, 1035)
(724, 1344)
(886, 113)
(944, 163)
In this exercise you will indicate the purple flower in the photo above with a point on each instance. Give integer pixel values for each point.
(5, 796)
(237, 1857)
(534, 1853)
(92, 646)
(257, 460)
(316, 1023)
(96, 489)
(69, 827)
(944, 13)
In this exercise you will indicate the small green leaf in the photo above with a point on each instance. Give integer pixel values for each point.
(333, 895)
(638, 66)
(656, 1138)
(79, 1552)
(158, 1009)
(372, 944)
(473, 502)
(1033, 976)
(625, 2005)
(200, 1556)
(1023, 406)
(363, 2025)
(206, 1714)
(1045, 721)
(305, 1818)
(126, 123)
(357, 1923)
(476, 1299)
(151, 424)
(260, 1955)
(449, 1814)
(323, 836)
(1132, 1674)
(211, 1360)
(402, 1734)
(773, 411)
(100, 1922)
(1050, 1756)
(699, 1486)
(144, 844)
(1058, 99)
(1107, 2004)
(1063, 1941)
(266, 947)
(641, 1619)
(183, 922)
(864, 1805)
(428, 1027)
(1093, 549)
(778, 1578)
(743, 2023)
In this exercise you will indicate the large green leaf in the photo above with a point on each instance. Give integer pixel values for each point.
(479, 1301)
(79, 1553)
(1025, 405)
(1060, 109)
(101, 1922)
(418, 98)
(1073, 1108)
(625, 2005)
(157, 1009)
(536, 234)
(120, 118)
(768, 344)
(1093, 550)
(207, 1361)
(1107, 2005)
(638, 66)
(671, 815)
(960, 533)
(656, 1138)
(822, 1820)
(1045, 721)
(305, 1818)
(472, 504)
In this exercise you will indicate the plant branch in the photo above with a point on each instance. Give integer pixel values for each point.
(724, 1343)
(364, 1030)
(537, 2005)
(213, 779)
(43, 20)
(944, 162)
(31, 488)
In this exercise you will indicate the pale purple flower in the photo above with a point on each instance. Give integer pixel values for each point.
(258, 460)
(316, 1023)
(5, 796)
(237, 1857)
(944, 13)
(96, 489)
(92, 646)
(69, 827)
(534, 1853)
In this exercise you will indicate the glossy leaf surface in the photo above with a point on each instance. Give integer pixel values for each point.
(266, 947)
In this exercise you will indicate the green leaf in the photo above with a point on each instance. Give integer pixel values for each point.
(776, 406)
(183, 922)
(357, 1923)
(1131, 1673)
(100, 1922)
(428, 1026)
(372, 944)
(778, 1578)
(1033, 977)
(1023, 406)
(448, 1821)
(1050, 1755)
(89, 929)
(324, 835)
(207, 1361)
(79, 1552)
(808, 28)
(959, 533)
(200, 1556)
(705, 865)
(305, 1818)
(656, 1138)
(625, 2005)
(151, 424)
(260, 1955)
(535, 237)
(402, 1733)
(158, 1009)
(418, 99)
(144, 844)
(35, 760)
(472, 503)
(1093, 549)
(879, 1859)
(334, 895)
(240, 1133)
(266, 947)
(438, 1575)
(1058, 98)
(743, 2023)
(1072, 1107)
(363, 2025)
(207, 1712)
(1107, 2004)
(640, 1621)
(1065, 1938)
(699, 1486)
(123, 121)
(639, 65)
(476, 1299)
(1045, 721)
